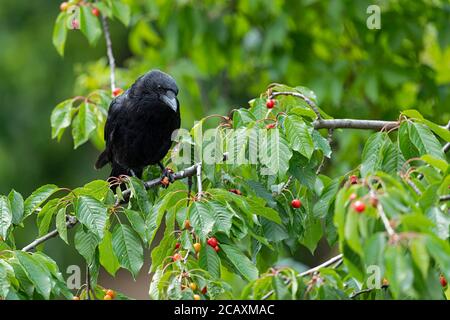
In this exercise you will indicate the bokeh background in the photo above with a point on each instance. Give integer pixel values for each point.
(222, 53)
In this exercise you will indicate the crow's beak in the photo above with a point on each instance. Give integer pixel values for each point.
(170, 99)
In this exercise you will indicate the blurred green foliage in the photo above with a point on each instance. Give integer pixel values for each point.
(221, 53)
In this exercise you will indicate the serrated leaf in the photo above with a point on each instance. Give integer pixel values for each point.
(321, 143)
(61, 225)
(45, 216)
(128, 248)
(209, 261)
(35, 200)
(86, 243)
(327, 198)
(121, 11)
(83, 124)
(37, 274)
(17, 206)
(240, 261)
(222, 216)
(201, 219)
(107, 257)
(60, 33)
(420, 255)
(61, 118)
(92, 214)
(137, 222)
(299, 135)
(371, 155)
(139, 192)
(425, 141)
(89, 24)
(6, 273)
(5, 216)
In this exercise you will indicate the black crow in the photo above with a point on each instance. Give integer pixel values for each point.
(140, 124)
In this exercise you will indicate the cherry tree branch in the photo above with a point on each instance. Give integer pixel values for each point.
(354, 124)
(72, 221)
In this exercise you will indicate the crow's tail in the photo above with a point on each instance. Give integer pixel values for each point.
(102, 160)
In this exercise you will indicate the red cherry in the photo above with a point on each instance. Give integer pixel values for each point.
(236, 191)
(63, 6)
(271, 126)
(359, 206)
(442, 280)
(204, 290)
(216, 248)
(75, 24)
(95, 12)
(296, 203)
(117, 91)
(177, 245)
(270, 103)
(353, 179)
(212, 242)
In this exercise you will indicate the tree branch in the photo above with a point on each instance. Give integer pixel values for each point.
(310, 103)
(354, 124)
(109, 52)
(72, 221)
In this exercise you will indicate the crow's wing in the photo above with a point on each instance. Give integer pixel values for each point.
(110, 126)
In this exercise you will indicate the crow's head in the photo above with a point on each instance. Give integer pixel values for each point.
(157, 85)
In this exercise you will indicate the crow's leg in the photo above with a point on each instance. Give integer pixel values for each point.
(133, 173)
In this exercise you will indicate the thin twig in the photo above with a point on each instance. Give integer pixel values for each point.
(385, 220)
(323, 265)
(301, 96)
(330, 140)
(444, 198)
(199, 181)
(109, 52)
(336, 259)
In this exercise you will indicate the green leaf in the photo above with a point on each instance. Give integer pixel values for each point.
(409, 151)
(97, 189)
(5, 216)
(327, 198)
(107, 257)
(121, 11)
(86, 243)
(321, 143)
(154, 284)
(128, 248)
(435, 162)
(240, 261)
(351, 232)
(45, 216)
(209, 261)
(89, 24)
(201, 219)
(60, 33)
(256, 206)
(420, 255)
(61, 225)
(223, 217)
(35, 200)
(425, 141)
(37, 274)
(61, 118)
(6, 274)
(437, 129)
(299, 135)
(83, 124)
(92, 214)
(17, 206)
(137, 222)
(139, 192)
(371, 155)
(312, 234)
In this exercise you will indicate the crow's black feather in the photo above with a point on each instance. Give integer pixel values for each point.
(140, 124)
